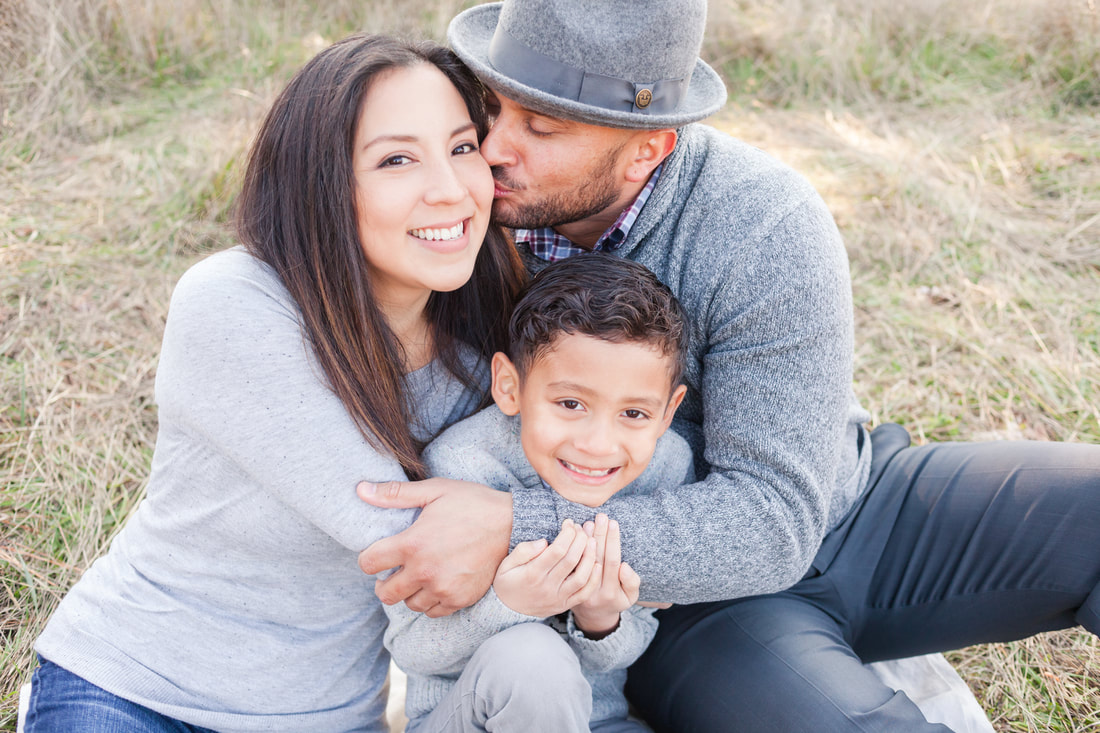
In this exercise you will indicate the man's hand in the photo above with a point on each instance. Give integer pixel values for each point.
(446, 560)
(618, 584)
(543, 581)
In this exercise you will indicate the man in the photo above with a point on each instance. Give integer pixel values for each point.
(795, 556)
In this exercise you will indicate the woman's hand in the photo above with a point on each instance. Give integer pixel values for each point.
(543, 581)
(617, 584)
(447, 558)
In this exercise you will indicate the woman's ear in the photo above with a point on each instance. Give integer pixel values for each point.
(505, 387)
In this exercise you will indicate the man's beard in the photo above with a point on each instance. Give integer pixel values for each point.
(598, 191)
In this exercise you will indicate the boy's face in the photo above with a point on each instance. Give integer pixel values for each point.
(591, 412)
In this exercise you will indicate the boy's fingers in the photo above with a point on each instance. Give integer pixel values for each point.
(600, 533)
(572, 557)
(549, 558)
(523, 553)
(629, 580)
(585, 572)
(613, 554)
(589, 588)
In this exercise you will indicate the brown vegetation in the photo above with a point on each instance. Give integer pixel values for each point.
(958, 145)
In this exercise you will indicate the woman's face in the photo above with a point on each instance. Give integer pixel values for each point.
(423, 191)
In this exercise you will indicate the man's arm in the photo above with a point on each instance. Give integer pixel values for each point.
(772, 372)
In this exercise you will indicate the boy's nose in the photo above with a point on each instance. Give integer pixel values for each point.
(597, 440)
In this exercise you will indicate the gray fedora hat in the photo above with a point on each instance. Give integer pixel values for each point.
(616, 63)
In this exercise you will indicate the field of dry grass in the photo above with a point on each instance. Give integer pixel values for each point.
(958, 145)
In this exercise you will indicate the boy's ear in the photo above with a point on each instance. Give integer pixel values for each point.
(505, 387)
(673, 403)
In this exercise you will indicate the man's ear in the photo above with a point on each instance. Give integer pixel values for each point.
(505, 387)
(673, 403)
(651, 147)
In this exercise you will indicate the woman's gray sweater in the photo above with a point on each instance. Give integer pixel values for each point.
(752, 252)
(232, 598)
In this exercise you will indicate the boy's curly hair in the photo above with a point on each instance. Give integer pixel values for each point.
(602, 296)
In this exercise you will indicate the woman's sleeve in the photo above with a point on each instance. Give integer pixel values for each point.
(238, 378)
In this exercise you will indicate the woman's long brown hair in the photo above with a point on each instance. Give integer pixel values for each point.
(297, 213)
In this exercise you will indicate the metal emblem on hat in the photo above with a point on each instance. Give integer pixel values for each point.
(643, 98)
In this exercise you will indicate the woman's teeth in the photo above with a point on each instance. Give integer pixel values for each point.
(433, 235)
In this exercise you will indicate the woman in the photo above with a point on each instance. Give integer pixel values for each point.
(347, 331)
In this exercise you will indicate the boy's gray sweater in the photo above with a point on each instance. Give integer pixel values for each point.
(753, 254)
(485, 448)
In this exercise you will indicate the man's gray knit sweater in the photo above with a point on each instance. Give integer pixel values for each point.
(486, 449)
(232, 598)
(753, 254)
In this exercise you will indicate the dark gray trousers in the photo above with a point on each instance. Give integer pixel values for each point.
(955, 544)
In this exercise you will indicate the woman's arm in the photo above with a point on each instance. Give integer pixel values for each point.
(236, 375)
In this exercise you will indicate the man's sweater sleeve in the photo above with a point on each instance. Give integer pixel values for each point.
(774, 381)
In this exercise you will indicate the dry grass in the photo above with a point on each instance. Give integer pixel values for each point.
(957, 143)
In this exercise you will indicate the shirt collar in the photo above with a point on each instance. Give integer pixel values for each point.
(548, 245)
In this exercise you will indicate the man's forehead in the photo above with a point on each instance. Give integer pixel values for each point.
(499, 97)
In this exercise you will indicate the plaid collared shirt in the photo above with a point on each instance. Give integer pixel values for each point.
(546, 244)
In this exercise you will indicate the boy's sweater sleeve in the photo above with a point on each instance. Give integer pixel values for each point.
(442, 646)
(617, 650)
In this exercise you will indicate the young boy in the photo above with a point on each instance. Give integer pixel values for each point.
(583, 401)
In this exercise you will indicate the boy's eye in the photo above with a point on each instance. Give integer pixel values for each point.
(635, 414)
(570, 404)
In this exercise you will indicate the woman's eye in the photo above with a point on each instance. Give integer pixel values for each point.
(464, 149)
(395, 160)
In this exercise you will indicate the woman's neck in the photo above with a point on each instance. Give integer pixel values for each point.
(410, 326)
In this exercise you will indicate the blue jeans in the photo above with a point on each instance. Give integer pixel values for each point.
(956, 544)
(61, 702)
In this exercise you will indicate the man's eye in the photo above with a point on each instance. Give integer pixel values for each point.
(536, 132)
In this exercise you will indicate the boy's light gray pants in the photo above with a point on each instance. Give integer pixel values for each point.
(525, 679)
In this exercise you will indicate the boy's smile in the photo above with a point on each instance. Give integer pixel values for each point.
(591, 412)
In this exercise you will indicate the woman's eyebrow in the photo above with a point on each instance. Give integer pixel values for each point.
(413, 138)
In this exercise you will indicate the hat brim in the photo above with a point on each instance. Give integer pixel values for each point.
(471, 31)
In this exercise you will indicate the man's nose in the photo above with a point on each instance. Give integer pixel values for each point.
(497, 148)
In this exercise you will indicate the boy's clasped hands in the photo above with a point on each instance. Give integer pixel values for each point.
(581, 571)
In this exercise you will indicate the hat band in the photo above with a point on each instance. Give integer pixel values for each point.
(527, 66)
